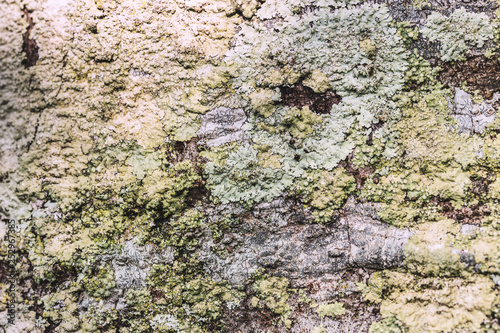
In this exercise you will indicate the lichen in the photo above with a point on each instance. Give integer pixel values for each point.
(330, 310)
(359, 69)
(436, 305)
(325, 192)
(458, 32)
(101, 160)
(273, 292)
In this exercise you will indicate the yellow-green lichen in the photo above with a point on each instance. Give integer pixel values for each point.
(326, 191)
(273, 292)
(330, 310)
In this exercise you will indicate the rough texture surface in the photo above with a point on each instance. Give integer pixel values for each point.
(249, 166)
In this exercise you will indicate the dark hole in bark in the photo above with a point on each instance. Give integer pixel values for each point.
(300, 96)
(29, 45)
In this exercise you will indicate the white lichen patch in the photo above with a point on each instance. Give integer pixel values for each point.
(132, 264)
(222, 125)
(470, 116)
(329, 42)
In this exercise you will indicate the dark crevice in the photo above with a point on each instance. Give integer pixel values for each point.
(34, 135)
(300, 96)
(30, 48)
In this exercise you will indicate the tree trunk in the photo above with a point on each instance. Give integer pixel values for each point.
(249, 166)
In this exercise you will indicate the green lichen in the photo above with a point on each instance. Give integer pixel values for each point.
(388, 325)
(329, 43)
(458, 32)
(189, 295)
(242, 179)
(330, 310)
(426, 304)
(408, 34)
(99, 284)
(420, 72)
(182, 231)
(429, 252)
(273, 292)
(318, 82)
(61, 307)
(436, 161)
(300, 122)
(419, 4)
(355, 52)
(263, 99)
(319, 329)
(325, 191)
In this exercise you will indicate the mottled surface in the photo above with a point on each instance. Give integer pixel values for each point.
(249, 166)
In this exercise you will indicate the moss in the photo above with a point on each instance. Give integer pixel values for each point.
(330, 310)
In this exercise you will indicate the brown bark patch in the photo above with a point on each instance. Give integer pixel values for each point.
(360, 174)
(247, 319)
(473, 214)
(300, 96)
(467, 215)
(480, 73)
(30, 48)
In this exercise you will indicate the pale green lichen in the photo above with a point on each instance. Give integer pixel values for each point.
(318, 82)
(329, 43)
(458, 32)
(408, 34)
(263, 100)
(354, 51)
(100, 284)
(425, 304)
(300, 122)
(429, 251)
(319, 329)
(103, 164)
(436, 162)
